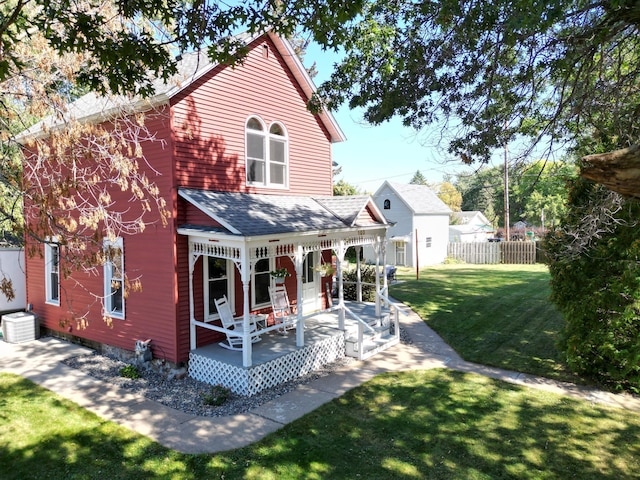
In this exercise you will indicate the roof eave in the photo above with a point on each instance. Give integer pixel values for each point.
(307, 85)
(273, 237)
(139, 106)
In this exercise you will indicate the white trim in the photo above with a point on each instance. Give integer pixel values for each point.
(208, 316)
(254, 305)
(300, 73)
(266, 161)
(400, 239)
(108, 278)
(48, 271)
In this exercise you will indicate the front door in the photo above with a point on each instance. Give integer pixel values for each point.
(310, 285)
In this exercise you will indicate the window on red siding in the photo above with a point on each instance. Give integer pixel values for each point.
(52, 272)
(114, 278)
(267, 154)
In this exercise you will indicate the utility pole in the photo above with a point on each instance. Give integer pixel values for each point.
(507, 234)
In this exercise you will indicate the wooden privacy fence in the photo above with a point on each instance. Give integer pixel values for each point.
(493, 252)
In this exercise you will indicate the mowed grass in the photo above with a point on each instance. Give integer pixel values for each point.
(436, 424)
(498, 315)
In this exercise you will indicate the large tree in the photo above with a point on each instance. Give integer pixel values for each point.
(534, 188)
(52, 52)
(495, 72)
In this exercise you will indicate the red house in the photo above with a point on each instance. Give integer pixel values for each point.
(246, 172)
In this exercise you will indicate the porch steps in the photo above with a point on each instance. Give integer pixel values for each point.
(373, 342)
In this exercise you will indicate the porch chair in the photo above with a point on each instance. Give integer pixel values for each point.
(282, 311)
(235, 324)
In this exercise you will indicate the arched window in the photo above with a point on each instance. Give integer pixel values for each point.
(387, 204)
(267, 154)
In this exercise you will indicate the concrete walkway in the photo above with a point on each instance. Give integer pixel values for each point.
(40, 361)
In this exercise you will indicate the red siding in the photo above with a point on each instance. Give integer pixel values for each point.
(203, 147)
(150, 256)
(210, 135)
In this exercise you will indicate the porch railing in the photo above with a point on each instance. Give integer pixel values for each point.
(365, 326)
(233, 333)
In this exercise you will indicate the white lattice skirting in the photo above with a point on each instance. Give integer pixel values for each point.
(252, 380)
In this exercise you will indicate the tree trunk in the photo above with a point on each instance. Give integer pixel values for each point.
(618, 170)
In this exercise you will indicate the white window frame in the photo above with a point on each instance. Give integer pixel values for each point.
(268, 162)
(209, 315)
(254, 305)
(51, 268)
(109, 278)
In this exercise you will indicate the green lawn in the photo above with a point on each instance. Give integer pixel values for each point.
(418, 425)
(435, 424)
(497, 315)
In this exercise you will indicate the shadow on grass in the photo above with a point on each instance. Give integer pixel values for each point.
(409, 425)
(446, 424)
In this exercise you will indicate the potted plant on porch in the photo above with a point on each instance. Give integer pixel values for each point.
(279, 274)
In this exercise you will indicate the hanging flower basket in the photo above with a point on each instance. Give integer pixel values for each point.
(279, 274)
(325, 269)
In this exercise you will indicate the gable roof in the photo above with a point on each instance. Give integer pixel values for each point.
(476, 216)
(191, 67)
(251, 215)
(419, 198)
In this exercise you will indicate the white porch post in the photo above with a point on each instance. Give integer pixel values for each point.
(385, 283)
(245, 275)
(340, 252)
(377, 287)
(299, 263)
(192, 326)
(358, 274)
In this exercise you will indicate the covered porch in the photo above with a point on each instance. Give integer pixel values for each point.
(250, 231)
(278, 359)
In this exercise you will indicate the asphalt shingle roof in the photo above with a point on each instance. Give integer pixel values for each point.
(191, 66)
(256, 215)
(420, 198)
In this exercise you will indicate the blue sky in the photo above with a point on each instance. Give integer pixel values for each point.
(372, 154)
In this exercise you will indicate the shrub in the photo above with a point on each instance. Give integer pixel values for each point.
(367, 275)
(595, 283)
(130, 371)
(216, 396)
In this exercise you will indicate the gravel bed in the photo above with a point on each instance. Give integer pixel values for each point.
(186, 394)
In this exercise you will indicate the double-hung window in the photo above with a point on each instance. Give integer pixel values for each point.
(52, 272)
(114, 278)
(218, 282)
(260, 281)
(267, 154)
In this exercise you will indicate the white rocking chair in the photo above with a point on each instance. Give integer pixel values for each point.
(282, 311)
(235, 324)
